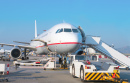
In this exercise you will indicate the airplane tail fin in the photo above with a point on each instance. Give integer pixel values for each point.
(35, 29)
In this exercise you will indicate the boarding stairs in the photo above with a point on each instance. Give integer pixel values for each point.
(97, 44)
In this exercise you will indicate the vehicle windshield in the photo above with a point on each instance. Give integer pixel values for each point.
(80, 57)
(57, 30)
(61, 30)
(75, 30)
(67, 30)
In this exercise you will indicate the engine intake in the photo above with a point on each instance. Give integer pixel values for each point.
(15, 52)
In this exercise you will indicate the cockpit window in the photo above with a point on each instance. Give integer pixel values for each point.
(61, 30)
(57, 30)
(67, 30)
(75, 30)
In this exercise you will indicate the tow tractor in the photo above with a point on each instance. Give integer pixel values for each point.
(88, 70)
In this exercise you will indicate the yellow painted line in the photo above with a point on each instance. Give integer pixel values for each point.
(90, 76)
(125, 82)
(107, 74)
(111, 74)
(87, 74)
(117, 75)
(94, 76)
(98, 76)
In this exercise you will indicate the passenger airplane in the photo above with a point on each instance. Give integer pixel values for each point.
(2, 51)
(62, 38)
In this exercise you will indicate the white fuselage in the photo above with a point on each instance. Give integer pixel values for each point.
(62, 38)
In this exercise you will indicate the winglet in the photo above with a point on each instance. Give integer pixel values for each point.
(35, 29)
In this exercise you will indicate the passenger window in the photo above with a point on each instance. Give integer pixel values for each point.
(58, 31)
(61, 30)
(67, 30)
(75, 30)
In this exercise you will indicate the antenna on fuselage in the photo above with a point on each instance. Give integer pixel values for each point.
(63, 21)
(35, 29)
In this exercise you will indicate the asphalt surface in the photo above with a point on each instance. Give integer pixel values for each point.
(22, 75)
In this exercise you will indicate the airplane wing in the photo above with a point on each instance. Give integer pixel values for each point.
(21, 42)
(27, 47)
(20, 46)
(3, 44)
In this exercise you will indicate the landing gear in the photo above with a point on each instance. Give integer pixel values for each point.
(64, 63)
(60, 60)
(25, 56)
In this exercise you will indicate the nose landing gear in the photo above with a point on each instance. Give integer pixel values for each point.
(63, 63)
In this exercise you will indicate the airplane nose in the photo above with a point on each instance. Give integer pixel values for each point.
(71, 38)
(72, 42)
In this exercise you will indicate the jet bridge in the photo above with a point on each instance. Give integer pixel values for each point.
(97, 44)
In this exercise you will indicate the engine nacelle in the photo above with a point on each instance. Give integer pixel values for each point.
(15, 52)
(90, 51)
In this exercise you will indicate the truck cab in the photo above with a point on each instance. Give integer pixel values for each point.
(89, 70)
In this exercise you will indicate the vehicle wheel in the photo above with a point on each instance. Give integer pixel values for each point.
(8, 59)
(60, 60)
(27, 58)
(127, 68)
(82, 74)
(22, 58)
(6, 80)
(73, 71)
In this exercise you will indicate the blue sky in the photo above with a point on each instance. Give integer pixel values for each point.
(109, 19)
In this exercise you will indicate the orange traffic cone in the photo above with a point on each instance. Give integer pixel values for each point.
(114, 75)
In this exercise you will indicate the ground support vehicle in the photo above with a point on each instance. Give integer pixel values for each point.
(49, 64)
(27, 63)
(6, 58)
(93, 70)
(2, 73)
(1, 57)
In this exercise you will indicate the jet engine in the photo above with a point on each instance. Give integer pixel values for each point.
(15, 52)
(90, 51)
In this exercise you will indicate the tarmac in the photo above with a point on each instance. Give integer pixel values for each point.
(23, 75)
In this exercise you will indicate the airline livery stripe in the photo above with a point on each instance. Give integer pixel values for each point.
(65, 43)
(60, 43)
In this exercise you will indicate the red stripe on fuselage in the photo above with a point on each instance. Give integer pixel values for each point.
(60, 43)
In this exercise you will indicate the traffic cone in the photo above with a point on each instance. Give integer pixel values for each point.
(114, 75)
